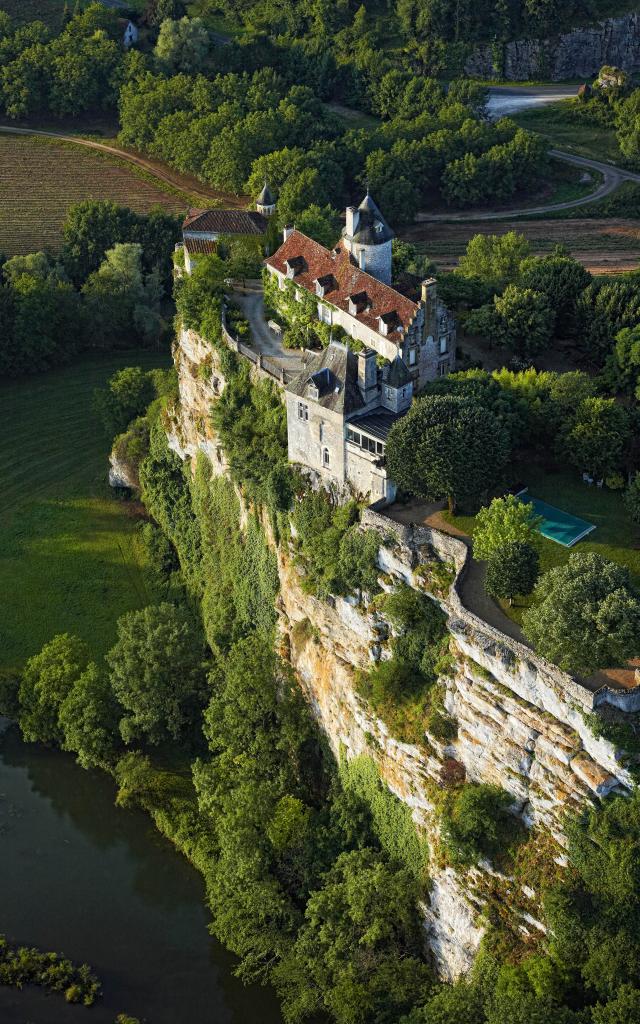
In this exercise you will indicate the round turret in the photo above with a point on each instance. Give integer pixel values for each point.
(368, 238)
(265, 203)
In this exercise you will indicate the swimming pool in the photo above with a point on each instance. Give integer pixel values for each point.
(557, 525)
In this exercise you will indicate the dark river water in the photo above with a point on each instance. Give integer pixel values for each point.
(99, 884)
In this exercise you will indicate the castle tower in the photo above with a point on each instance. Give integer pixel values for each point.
(368, 238)
(265, 203)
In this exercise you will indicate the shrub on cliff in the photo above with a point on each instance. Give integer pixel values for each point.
(478, 823)
(586, 615)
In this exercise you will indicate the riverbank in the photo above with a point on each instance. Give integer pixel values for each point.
(100, 884)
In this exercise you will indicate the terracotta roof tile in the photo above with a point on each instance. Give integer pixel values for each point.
(200, 246)
(226, 222)
(349, 280)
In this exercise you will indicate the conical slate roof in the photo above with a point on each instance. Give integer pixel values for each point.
(398, 375)
(265, 198)
(372, 227)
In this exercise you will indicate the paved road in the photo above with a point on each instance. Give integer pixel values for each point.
(251, 301)
(505, 100)
(160, 171)
(612, 177)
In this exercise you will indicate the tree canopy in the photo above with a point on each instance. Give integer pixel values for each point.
(447, 447)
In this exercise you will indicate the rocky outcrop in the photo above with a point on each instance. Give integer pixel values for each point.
(577, 54)
(200, 382)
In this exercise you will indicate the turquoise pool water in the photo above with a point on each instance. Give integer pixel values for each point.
(557, 525)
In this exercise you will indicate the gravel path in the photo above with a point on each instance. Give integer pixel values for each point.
(250, 300)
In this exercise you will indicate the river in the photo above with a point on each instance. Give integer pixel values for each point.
(99, 884)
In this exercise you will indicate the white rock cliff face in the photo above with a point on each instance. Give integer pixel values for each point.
(519, 721)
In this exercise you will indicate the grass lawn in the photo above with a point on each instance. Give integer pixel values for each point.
(616, 537)
(69, 553)
(567, 132)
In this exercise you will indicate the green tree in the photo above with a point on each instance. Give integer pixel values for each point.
(624, 360)
(89, 718)
(624, 1009)
(524, 320)
(596, 439)
(183, 46)
(632, 498)
(478, 823)
(505, 521)
(321, 224)
(562, 279)
(157, 669)
(452, 1004)
(586, 615)
(495, 259)
(361, 965)
(512, 571)
(126, 396)
(47, 679)
(447, 447)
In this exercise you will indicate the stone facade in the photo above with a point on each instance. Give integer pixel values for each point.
(352, 288)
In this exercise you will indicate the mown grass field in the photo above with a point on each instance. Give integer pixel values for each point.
(70, 560)
(40, 178)
(616, 537)
(555, 120)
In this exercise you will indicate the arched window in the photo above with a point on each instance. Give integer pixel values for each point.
(325, 456)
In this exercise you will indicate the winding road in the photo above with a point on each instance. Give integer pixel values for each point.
(503, 101)
(507, 100)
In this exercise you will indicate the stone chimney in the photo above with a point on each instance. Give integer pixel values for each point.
(288, 228)
(367, 374)
(429, 300)
(353, 216)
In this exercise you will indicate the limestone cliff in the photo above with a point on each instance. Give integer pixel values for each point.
(577, 54)
(520, 721)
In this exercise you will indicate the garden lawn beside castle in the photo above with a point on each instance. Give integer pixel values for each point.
(69, 553)
(616, 537)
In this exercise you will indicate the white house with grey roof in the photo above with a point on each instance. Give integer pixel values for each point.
(340, 410)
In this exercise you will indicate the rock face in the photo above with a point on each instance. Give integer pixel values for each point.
(577, 54)
(519, 720)
(200, 382)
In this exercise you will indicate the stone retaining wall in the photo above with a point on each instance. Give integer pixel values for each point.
(451, 549)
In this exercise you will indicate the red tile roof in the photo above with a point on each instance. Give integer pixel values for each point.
(226, 222)
(348, 281)
(200, 246)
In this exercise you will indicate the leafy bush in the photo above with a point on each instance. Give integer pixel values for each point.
(478, 824)
(337, 556)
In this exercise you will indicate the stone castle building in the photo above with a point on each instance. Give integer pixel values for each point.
(341, 408)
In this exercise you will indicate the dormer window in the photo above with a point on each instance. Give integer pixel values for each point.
(295, 265)
(358, 303)
(388, 322)
(324, 284)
